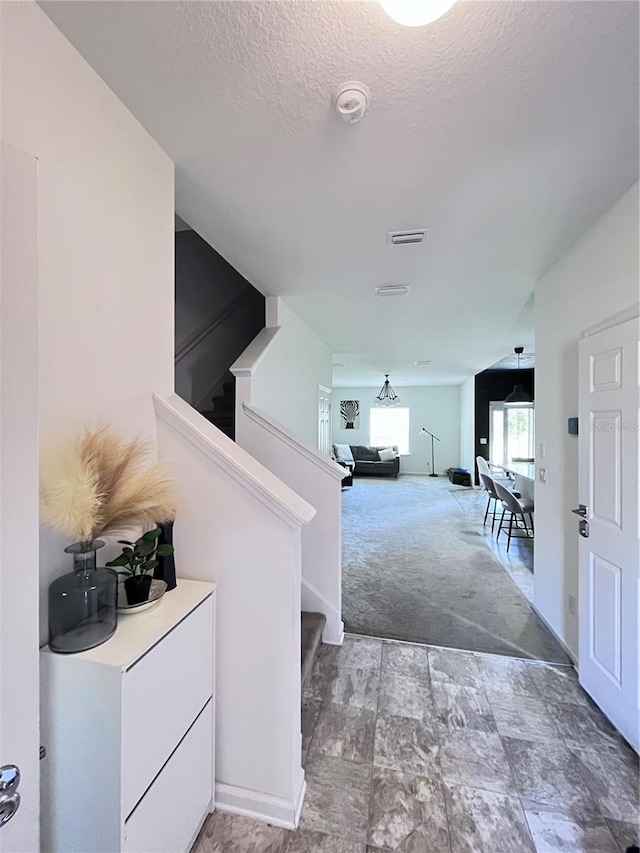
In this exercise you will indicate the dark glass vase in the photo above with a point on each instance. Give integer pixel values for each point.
(166, 568)
(83, 605)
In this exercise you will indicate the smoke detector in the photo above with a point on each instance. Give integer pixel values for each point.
(351, 101)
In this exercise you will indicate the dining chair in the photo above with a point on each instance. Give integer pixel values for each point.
(490, 488)
(518, 510)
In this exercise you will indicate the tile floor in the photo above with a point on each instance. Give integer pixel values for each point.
(426, 750)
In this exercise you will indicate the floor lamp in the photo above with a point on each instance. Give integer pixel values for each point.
(433, 464)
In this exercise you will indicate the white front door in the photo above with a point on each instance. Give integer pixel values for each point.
(609, 567)
(324, 420)
(19, 689)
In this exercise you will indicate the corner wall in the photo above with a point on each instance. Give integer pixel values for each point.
(105, 243)
(437, 408)
(467, 425)
(596, 280)
(285, 383)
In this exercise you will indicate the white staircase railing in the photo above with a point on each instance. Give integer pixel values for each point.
(240, 526)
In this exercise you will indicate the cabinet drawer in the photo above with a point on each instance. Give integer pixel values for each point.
(171, 810)
(162, 695)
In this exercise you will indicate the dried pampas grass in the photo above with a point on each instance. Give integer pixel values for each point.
(99, 484)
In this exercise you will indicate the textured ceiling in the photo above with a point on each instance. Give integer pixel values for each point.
(507, 128)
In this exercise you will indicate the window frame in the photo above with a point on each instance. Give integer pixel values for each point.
(402, 442)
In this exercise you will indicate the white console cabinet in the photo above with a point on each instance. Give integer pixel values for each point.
(128, 731)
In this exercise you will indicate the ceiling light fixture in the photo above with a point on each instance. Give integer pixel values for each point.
(387, 396)
(416, 13)
(518, 396)
(351, 101)
(421, 363)
(393, 290)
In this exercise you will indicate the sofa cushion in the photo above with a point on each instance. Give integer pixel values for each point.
(387, 454)
(343, 452)
(366, 454)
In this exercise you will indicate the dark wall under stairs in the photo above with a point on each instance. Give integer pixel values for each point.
(218, 314)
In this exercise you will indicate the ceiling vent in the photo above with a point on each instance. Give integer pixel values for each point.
(406, 238)
(393, 290)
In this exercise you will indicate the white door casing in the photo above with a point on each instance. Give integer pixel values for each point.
(19, 673)
(324, 420)
(609, 559)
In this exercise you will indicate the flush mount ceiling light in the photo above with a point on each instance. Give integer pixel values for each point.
(351, 101)
(393, 290)
(518, 396)
(416, 13)
(387, 396)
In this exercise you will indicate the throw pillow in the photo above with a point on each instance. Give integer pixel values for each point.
(387, 455)
(343, 452)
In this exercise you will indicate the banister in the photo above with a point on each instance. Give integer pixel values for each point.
(198, 335)
(328, 466)
(277, 497)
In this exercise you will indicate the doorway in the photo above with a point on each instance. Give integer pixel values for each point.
(609, 553)
(511, 433)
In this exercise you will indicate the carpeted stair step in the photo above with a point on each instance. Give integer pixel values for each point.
(312, 627)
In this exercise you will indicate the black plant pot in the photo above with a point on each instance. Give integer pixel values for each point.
(166, 568)
(137, 588)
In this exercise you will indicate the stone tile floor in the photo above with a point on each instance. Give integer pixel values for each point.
(426, 750)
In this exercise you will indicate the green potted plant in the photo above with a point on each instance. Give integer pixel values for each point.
(137, 560)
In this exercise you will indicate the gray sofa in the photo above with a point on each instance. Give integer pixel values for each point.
(364, 460)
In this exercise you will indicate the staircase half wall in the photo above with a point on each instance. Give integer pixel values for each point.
(240, 526)
(310, 474)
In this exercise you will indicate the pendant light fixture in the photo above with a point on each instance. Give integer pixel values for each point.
(518, 396)
(416, 13)
(387, 396)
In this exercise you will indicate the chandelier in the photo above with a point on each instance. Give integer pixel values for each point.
(387, 396)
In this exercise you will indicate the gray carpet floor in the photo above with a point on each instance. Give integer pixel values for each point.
(418, 566)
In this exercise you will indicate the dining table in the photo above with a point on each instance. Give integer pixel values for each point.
(523, 475)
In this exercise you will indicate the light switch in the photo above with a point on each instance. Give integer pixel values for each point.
(543, 475)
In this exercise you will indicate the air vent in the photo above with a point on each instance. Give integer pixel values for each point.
(393, 290)
(406, 238)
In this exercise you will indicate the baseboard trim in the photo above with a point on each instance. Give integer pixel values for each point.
(263, 807)
(567, 650)
(314, 601)
(334, 637)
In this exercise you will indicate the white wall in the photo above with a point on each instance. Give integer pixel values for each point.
(468, 424)
(597, 279)
(105, 242)
(436, 408)
(285, 382)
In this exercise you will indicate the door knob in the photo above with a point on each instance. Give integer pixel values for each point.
(9, 796)
(581, 511)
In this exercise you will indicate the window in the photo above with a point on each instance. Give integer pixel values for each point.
(512, 433)
(389, 427)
